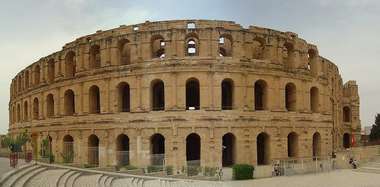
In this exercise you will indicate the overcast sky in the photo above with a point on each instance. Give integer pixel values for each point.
(345, 31)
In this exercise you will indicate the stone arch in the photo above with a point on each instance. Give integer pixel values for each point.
(314, 99)
(316, 144)
(50, 105)
(157, 148)
(261, 95)
(37, 74)
(192, 94)
(93, 150)
(36, 108)
(290, 97)
(68, 149)
(158, 95)
(122, 150)
(70, 64)
(18, 113)
(51, 70)
(123, 97)
(26, 79)
(289, 55)
(225, 45)
(346, 140)
(94, 57)
(263, 149)
(94, 100)
(69, 102)
(192, 45)
(347, 114)
(258, 48)
(227, 89)
(229, 149)
(124, 52)
(158, 45)
(26, 110)
(292, 145)
(193, 149)
(311, 56)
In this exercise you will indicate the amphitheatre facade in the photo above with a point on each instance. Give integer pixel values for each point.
(185, 92)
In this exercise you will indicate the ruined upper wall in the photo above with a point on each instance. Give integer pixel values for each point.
(284, 50)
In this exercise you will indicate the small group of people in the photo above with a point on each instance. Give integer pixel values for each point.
(353, 163)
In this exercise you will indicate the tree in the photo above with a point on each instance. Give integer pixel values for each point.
(375, 131)
(15, 144)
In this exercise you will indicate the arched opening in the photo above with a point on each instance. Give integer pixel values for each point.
(124, 97)
(346, 114)
(191, 47)
(93, 150)
(94, 100)
(311, 54)
(191, 25)
(37, 75)
(27, 79)
(225, 45)
(346, 140)
(193, 149)
(14, 115)
(95, 57)
(292, 145)
(288, 57)
(227, 94)
(36, 111)
(314, 99)
(157, 144)
(19, 85)
(122, 150)
(18, 113)
(50, 105)
(290, 97)
(70, 64)
(68, 149)
(124, 52)
(316, 144)
(258, 48)
(260, 95)
(158, 95)
(158, 46)
(192, 94)
(263, 149)
(69, 101)
(51, 70)
(26, 111)
(228, 146)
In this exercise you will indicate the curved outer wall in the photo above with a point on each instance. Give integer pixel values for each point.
(285, 68)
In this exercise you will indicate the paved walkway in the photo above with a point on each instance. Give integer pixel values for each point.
(337, 178)
(4, 165)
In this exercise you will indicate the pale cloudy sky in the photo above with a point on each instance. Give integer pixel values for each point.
(345, 31)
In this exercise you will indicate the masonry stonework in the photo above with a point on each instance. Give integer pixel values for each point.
(182, 92)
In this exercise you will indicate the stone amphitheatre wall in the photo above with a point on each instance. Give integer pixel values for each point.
(186, 91)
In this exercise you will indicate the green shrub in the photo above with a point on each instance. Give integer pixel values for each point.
(242, 171)
(169, 170)
(210, 171)
(193, 170)
(130, 167)
(152, 169)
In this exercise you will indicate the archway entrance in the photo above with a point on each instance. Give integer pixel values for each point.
(157, 142)
(68, 149)
(122, 150)
(346, 140)
(292, 145)
(227, 94)
(228, 146)
(262, 143)
(93, 150)
(316, 145)
(192, 94)
(193, 149)
(158, 95)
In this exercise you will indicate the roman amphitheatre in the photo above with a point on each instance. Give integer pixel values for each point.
(185, 92)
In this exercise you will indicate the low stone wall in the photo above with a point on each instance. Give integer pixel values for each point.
(361, 154)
